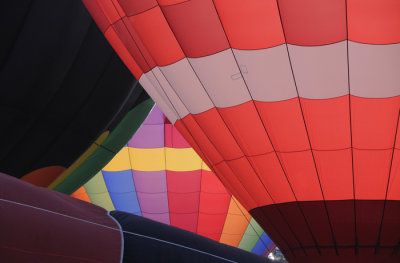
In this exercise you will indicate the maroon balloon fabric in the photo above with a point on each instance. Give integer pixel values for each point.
(40, 225)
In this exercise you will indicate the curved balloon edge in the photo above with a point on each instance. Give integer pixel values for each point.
(106, 150)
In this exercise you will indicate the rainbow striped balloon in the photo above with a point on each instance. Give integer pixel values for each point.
(159, 176)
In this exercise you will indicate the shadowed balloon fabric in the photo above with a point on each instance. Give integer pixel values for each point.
(40, 225)
(293, 104)
(159, 176)
(63, 90)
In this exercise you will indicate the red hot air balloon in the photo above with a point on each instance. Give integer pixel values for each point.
(294, 105)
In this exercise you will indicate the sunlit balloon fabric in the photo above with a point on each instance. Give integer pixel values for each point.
(293, 103)
(159, 176)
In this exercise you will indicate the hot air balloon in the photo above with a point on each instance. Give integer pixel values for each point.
(63, 92)
(293, 104)
(40, 225)
(159, 176)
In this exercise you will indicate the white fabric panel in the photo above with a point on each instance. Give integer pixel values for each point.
(158, 98)
(268, 74)
(320, 71)
(374, 70)
(218, 74)
(188, 87)
(170, 93)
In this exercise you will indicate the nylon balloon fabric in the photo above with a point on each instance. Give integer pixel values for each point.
(63, 90)
(293, 104)
(159, 176)
(46, 226)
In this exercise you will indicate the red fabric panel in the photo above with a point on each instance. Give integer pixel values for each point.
(394, 184)
(300, 169)
(341, 215)
(98, 15)
(184, 182)
(135, 7)
(369, 215)
(173, 138)
(178, 140)
(347, 252)
(278, 222)
(154, 31)
(214, 200)
(295, 219)
(220, 137)
(250, 180)
(124, 54)
(43, 176)
(298, 253)
(133, 44)
(202, 140)
(397, 145)
(313, 22)
(183, 198)
(374, 22)
(117, 6)
(317, 218)
(336, 180)
(170, 2)
(346, 255)
(168, 135)
(273, 177)
(110, 10)
(251, 24)
(211, 225)
(36, 235)
(391, 224)
(104, 23)
(328, 122)
(214, 205)
(222, 170)
(207, 151)
(186, 221)
(246, 126)
(285, 124)
(329, 253)
(312, 252)
(211, 184)
(371, 171)
(238, 189)
(374, 122)
(197, 27)
(271, 230)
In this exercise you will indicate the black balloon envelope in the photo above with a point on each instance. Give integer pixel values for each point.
(63, 91)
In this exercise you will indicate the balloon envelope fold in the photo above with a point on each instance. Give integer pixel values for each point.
(293, 104)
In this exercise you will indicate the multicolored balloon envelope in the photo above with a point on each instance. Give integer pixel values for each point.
(159, 176)
(294, 105)
(40, 225)
(63, 92)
